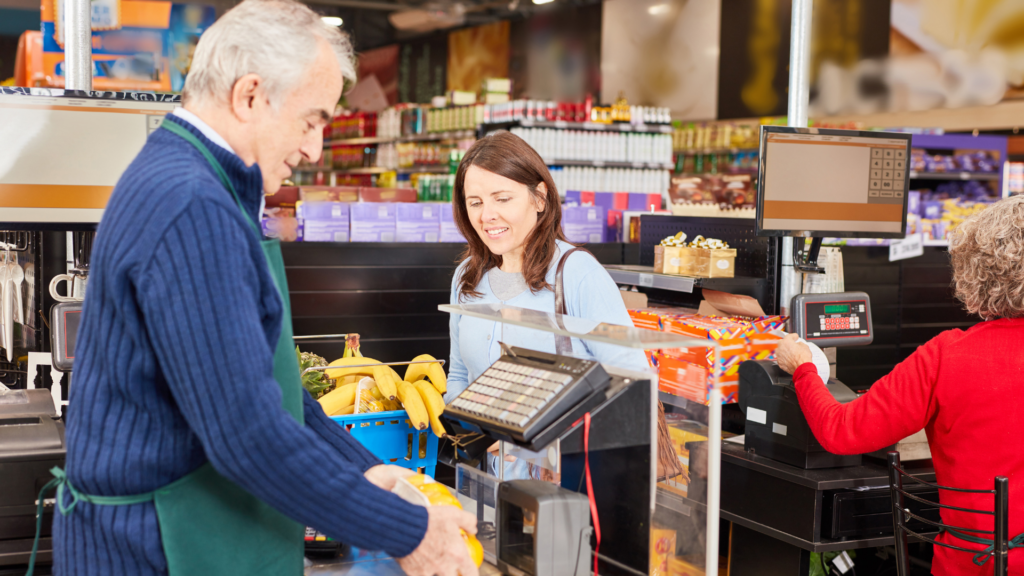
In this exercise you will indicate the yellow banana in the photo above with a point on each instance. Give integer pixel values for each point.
(343, 367)
(435, 405)
(350, 409)
(351, 378)
(394, 375)
(339, 398)
(433, 371)
(385, 382)
(413, 405)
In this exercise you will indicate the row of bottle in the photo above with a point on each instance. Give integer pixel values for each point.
(610, 179)
(555, 144)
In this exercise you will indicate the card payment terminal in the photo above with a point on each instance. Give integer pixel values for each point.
(775, 426)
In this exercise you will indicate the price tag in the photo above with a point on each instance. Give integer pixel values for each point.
(647, 280)
(910, 247)
(561, 124)
(638, 164)
(598, 163)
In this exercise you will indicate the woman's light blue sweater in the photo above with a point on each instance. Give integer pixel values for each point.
(590, 293)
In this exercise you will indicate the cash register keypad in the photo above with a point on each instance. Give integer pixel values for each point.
(512, 393)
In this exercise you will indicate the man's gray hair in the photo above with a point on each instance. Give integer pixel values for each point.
(276, 39)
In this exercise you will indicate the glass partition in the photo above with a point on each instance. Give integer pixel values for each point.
(680, 509)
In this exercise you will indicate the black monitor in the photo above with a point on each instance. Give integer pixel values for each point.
(817, 182)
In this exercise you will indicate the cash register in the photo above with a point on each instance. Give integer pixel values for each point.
(817, 183)
(776, 427)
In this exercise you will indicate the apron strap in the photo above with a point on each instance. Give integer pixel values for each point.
(191, 138)
(60, 481)
(982, 557)
(563, 344)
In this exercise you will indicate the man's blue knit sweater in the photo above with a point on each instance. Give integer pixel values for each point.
(174, 369)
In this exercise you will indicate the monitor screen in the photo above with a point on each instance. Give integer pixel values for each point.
(836, 183)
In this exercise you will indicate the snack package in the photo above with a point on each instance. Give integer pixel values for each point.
(366, 399)
(663, 548)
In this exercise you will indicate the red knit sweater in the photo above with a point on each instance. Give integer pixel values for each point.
(966, 389)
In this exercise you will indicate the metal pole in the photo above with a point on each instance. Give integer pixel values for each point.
(714, 489)
(895, 485)
(77, 45)
(1000, 547)
(791, 281)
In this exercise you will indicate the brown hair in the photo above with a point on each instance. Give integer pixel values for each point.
(508, 155)
(987, 253)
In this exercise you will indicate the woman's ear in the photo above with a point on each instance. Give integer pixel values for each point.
(540, 198)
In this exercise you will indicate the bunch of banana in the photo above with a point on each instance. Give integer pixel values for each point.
(432, 371)
(339, 401)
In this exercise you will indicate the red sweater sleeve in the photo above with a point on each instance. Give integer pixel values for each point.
(895, 407)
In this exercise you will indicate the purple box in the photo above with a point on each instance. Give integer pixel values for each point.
(322, 211)
(373, 222)
(584, 223)
(324, 230)
(931, 209)
(573, 197)
(449, 230)
(914, 202)
(418, 222)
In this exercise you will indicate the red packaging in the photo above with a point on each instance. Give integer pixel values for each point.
(387, 195)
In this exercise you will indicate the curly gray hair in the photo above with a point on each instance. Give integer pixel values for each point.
(276, 39)
(987, 253)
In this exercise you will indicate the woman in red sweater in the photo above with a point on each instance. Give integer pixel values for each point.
(964, 388)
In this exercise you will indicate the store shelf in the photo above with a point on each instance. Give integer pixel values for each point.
(644, 276)
(692, 151)
(937, 243)
(611, 164)
(638, 128)
(432, 169)
(673, 400)
(954, 175)
(429, 137)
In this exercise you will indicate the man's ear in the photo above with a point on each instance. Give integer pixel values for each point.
(245, 96)
(540, 199)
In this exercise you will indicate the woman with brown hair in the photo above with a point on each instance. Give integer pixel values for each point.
(963, 387)
(506, 205)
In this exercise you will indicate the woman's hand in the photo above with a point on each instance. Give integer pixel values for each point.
(791, 354)
(443, 551)
(384, 476)
(493, 451)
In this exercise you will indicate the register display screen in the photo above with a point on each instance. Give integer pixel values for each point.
(837, 309)
(845, 183)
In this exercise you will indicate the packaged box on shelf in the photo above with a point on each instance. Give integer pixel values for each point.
(372, 222)
(644, 202)
(328, 193)
(573, 197)
(449, 230)
(497, 85)
(461, 98)
(417, 222)
(496, 98)
(324, 231)
(368, 194)
(681, 431)
(584, 224)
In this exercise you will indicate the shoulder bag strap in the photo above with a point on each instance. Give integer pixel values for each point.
(563, 344)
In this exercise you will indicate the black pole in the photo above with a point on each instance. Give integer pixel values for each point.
(1000, 550)
(895, 485)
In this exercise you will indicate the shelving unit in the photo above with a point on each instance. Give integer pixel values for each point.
(644, 276)
(432, 169)
(639, 128)
(988, 176)
(610, 164)
(429, 137)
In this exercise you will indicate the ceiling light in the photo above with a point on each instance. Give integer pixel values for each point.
(542, 1)
(332, 20)
(658, 9)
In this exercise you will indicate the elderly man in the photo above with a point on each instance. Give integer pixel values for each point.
(192, 447)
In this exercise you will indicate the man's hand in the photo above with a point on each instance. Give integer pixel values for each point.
(443, 551)
(385, 476)
(791, 354)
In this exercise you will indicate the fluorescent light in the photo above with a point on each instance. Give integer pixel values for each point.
(658, 9)
(332, 20)
(542, 1)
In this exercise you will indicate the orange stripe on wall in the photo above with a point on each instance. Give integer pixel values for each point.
(87, 109)
(833, 211)
(53, 196)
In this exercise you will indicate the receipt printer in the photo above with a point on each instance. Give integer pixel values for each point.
(776, 427)
(543, 530)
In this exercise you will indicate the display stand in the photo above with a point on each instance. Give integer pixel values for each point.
(634, 516)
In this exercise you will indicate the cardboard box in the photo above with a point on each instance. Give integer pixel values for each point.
(572, 197)
(611, 200)
(449, 230)
(322, 211)
(584, 224)
(367, 194)
(643, 202)
(325, 231)
(372, 222)
(417, 222)
(328, 193)
(668, 259)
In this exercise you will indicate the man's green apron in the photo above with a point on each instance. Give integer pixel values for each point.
(208, 524)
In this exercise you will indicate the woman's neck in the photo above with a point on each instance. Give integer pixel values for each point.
(512, 262)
